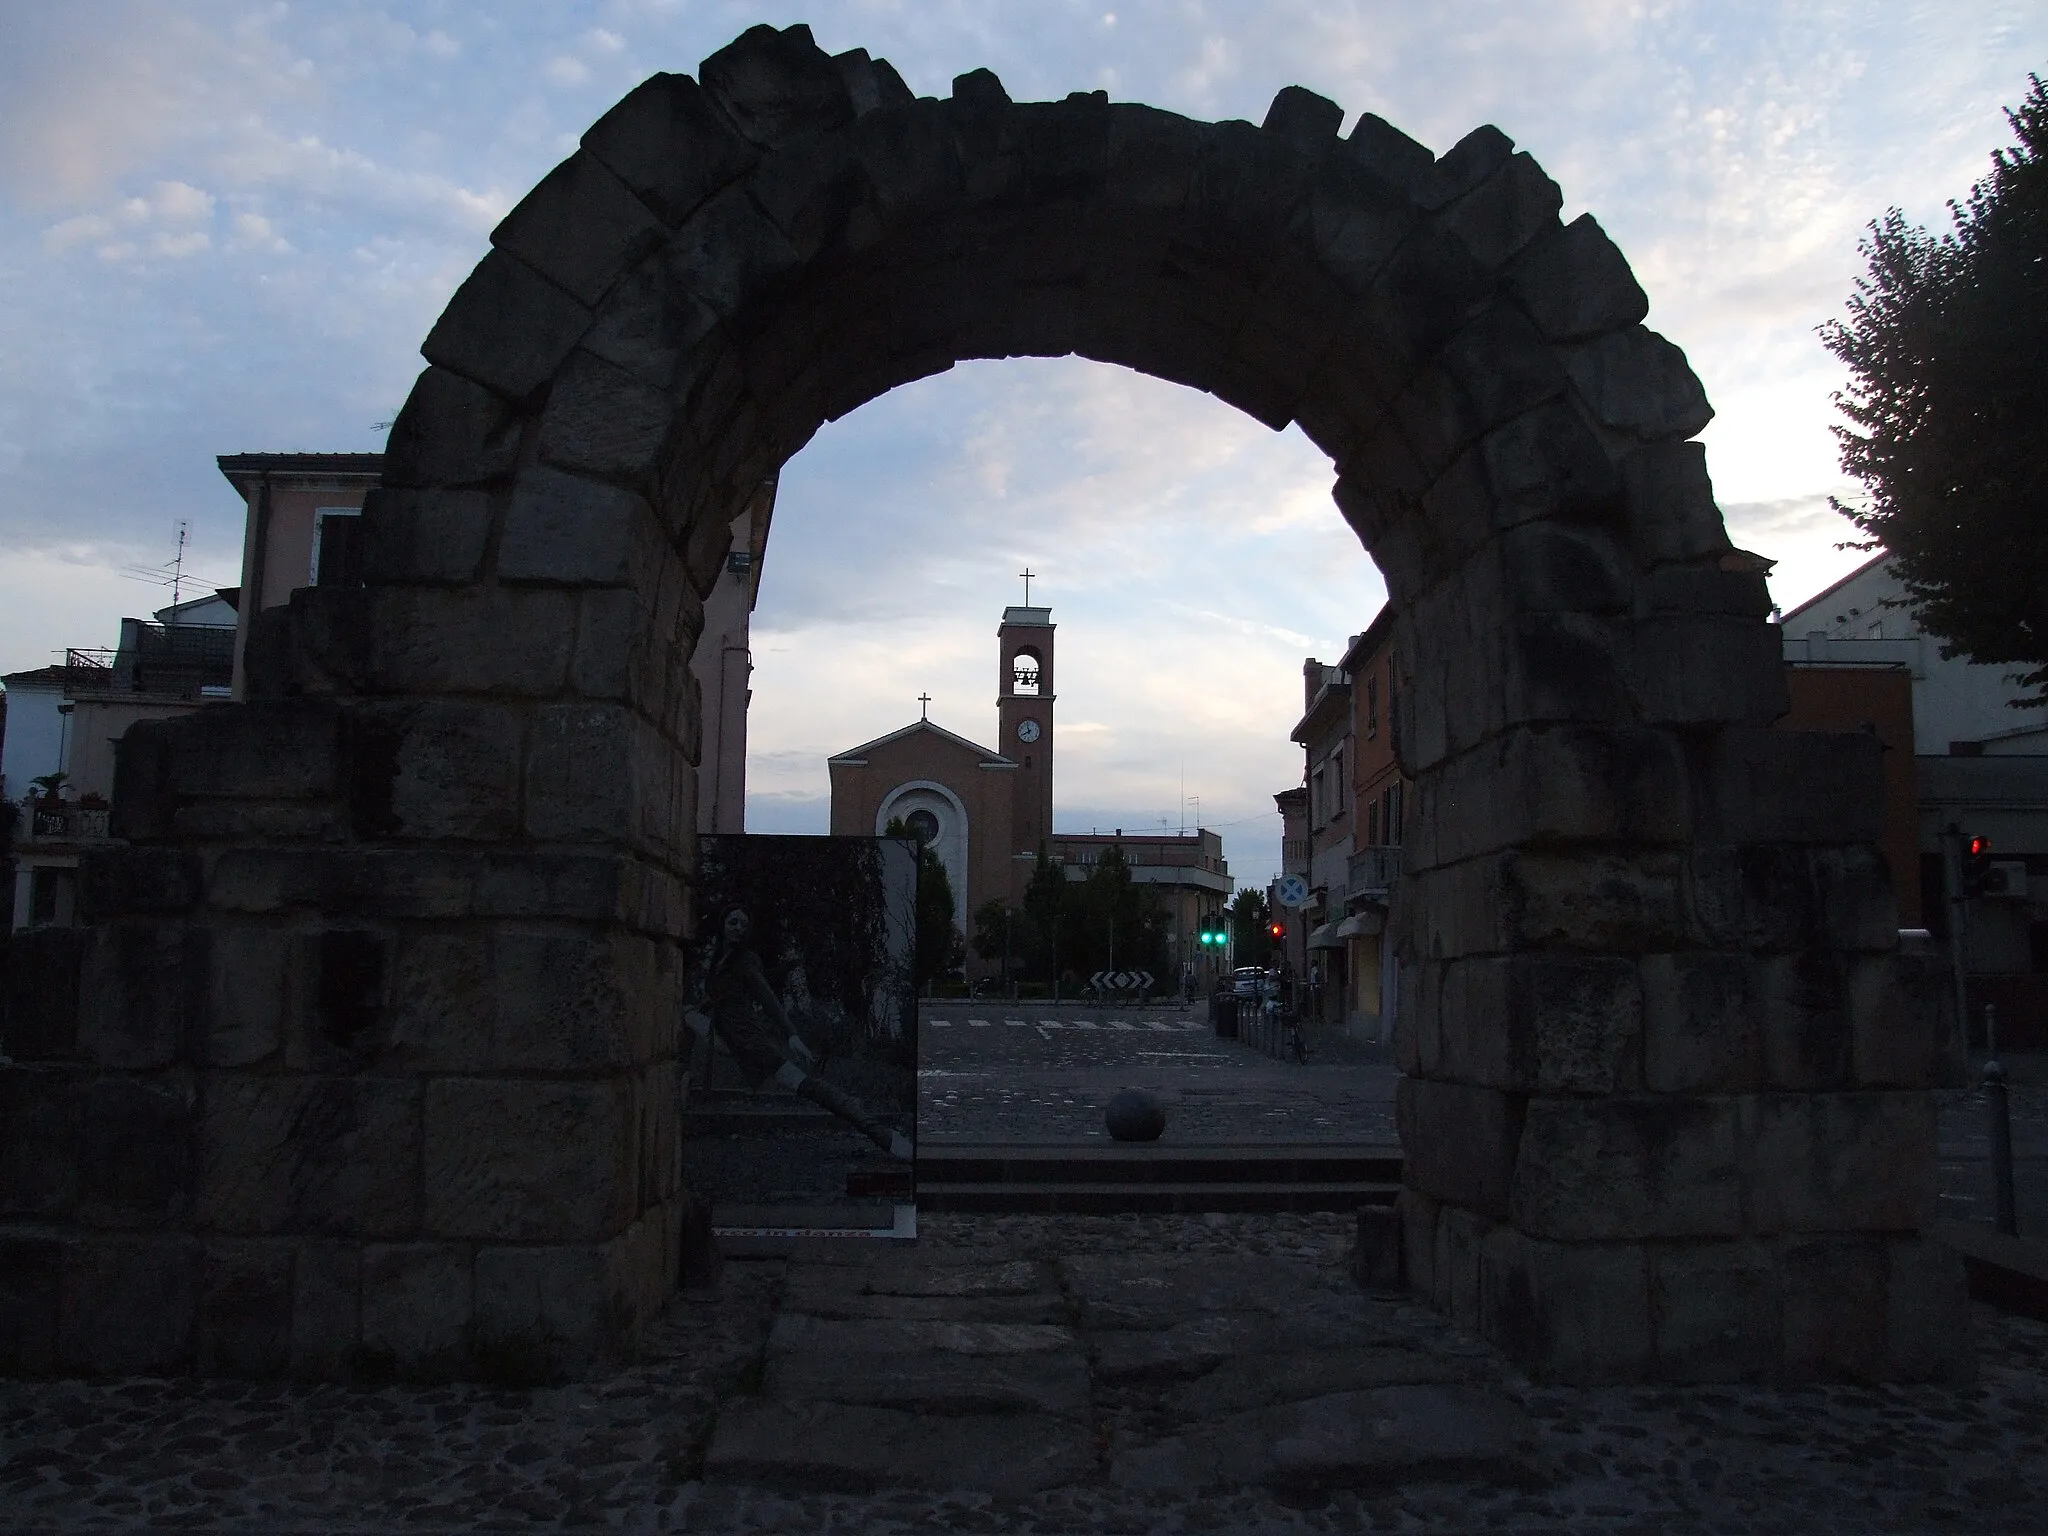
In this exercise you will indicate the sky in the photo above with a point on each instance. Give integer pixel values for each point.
(225, 227)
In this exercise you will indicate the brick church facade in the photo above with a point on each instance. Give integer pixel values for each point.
(985, 812)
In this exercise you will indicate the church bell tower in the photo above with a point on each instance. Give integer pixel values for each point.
(1024, 700)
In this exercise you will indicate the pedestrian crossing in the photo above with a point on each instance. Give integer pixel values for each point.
(1126, 1026)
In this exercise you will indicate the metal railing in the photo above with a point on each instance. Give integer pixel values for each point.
(69, 825)
(1374, 869)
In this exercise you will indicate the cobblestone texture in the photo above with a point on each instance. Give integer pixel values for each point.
(627, 1453)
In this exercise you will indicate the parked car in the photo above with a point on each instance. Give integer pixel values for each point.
(1254, 982)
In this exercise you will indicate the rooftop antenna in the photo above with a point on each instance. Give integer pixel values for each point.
(170, 575)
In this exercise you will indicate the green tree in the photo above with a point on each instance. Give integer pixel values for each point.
(995, 931)
(940, 949)
(1947, 406)
(1114, 921)
(1249, 917)
(1045, 911)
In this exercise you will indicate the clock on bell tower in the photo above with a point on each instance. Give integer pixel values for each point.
(1024, 700)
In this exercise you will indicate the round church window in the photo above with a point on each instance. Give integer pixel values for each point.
(923, 825)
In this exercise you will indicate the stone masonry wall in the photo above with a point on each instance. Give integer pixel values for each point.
(368, 1059)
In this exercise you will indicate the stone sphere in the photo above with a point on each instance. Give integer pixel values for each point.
(1135, 1115)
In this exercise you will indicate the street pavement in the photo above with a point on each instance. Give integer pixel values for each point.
(1022, 1073)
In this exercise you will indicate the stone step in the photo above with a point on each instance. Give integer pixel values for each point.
(1151, 1162)
(1153, 1195)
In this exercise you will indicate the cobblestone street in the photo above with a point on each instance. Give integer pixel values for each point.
(1070, 1375)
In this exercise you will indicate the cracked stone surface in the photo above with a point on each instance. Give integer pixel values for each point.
(1026, 1373)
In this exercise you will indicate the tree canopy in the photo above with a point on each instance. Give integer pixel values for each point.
(1946, 342)
(940, 948)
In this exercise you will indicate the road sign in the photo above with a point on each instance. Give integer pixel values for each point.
(1292, 890)
(1121, 981)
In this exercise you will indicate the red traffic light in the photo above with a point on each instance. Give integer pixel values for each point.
(1279, 930)
(1980, 847)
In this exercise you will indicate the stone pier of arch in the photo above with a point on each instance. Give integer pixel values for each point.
(367, 1062)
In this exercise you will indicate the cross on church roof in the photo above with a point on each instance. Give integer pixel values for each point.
(1026, 574)
(924, 703)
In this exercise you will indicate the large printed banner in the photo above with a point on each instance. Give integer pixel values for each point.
(802, 1109)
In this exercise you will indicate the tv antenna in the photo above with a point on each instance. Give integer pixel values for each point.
(172, 573)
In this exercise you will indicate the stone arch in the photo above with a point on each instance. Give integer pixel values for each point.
(1664, 1115)
(953, 845)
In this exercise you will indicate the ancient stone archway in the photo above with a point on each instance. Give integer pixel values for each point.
(392, 957)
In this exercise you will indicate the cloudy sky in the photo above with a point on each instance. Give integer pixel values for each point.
(225, 227)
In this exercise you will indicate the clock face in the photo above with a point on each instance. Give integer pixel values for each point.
(1027, 730)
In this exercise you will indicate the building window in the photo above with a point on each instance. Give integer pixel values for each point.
(337, 547)
(1372, 822)
(922, 825)
(1372, 707)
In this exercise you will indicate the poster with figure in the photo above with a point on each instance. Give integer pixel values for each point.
(802, 1030)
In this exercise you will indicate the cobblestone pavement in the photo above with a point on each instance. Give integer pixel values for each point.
(1022, 1373)
(1025, 1073)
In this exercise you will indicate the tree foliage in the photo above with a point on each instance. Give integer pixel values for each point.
(1250, 941)
(940, 949)
(1946, 342)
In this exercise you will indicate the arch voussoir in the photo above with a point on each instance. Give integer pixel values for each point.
(1662, 1106)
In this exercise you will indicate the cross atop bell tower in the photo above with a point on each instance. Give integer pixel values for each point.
(1024, 700)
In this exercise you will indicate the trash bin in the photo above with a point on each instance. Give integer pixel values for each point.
(1223, 1014)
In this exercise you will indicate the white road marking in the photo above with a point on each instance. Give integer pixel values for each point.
(1162, 1028)
(978, 1023)
(1017, 1023)
(940, 1023)
(1120, 1024)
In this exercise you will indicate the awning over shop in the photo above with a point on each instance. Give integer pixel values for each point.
(1362, 925)
(1325, 937)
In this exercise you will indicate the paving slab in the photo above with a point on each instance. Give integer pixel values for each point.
(1342, 1440)
(1054, 1382)
(840, 1447)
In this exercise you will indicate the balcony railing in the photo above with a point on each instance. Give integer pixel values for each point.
(1374, 869)
(69, 825)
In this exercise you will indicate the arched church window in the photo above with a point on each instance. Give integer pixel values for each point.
(923, 826)
(1024, 673)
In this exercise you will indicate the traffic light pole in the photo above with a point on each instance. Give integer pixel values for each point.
(1957, 908)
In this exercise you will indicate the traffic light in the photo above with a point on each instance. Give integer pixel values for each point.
(1976, 866)
(1212, 929)
(1279, 931)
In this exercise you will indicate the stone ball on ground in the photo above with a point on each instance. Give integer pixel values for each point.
(1135, 1115)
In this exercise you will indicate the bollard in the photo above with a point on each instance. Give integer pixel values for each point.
(1999, 1115)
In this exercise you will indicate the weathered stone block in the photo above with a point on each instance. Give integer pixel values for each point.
(1455, 1273)
(1765, 786)
(565, 530)
(1152, 156)
(1542, 1023)
(1503, 214)
(434, 537)
(271, 750)
(1307, 121)
(144, 993)
(128, 1305)
(871, 84)
(1541, 900)
(1563, 666)
(39, 993)
(1555, 567)
(1714, 1311)
(1546, 464)
(578, 772)
(1672, 517)
(1857, 909)
(1592, 1170)
(1927, 1313)
(526, 1160)
(1575, 284)
(471, 640)
(326, 1325)
(1894, 1040)
(136, 882)
(312, 1155)
(1841, 1162)
(774, 85)
(543, 1313)
(580, 228)
(1502, 366)
(1639, 383)
(448, 769)
(417, 1308)
(451, 431)
(245, 1308)
(244, 1020)
(669, 144)
(137, 1162)
(1706, 590)
(442, 1004)
(1757, 897)
(1568, 1312)
(508, 328)
(604, 422)
(1796, 999)
(1459, 1142)
(1834, 1309)
(39, 1141)
(809, 188)
(31, 1289)
(1699, 1023)
(1695, 669)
